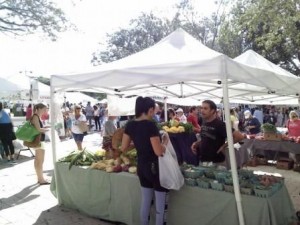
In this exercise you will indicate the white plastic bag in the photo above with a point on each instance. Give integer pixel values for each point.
(170, 176)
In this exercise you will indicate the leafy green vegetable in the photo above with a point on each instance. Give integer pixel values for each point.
(268, 128)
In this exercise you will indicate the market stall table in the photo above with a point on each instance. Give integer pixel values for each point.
(116, 197)
(182, 143)
(252, 147)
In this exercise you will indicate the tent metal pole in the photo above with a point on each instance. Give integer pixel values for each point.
(53, 140)
(234, 172)
(166, 110)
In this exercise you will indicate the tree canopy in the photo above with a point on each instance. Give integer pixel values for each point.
(269, 27)
(19, 17)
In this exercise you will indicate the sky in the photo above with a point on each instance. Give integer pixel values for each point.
(73, 50)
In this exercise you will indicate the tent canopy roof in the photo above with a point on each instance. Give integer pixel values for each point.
(180, 61)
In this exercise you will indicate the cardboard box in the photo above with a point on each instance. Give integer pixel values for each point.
(272, 136)
(285, 164)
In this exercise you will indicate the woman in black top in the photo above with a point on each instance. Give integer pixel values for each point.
(145, 136)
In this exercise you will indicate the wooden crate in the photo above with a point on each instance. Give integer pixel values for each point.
(285, 164)
(272, 136)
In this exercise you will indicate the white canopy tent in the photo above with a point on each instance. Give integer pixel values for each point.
(253, 59)
(77, 97)
(18, 87)
(180, 60)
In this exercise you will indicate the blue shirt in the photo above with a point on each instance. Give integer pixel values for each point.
(4, 117)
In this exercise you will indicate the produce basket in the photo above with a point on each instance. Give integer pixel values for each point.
(190, 182)
(203, 183)
(220, 176)
(215, 185)
(228, 188)
(247, 174)
(193, 173)
(246, 191)
(263, 192)
(209, 173)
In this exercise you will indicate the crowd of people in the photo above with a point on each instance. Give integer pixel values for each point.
(208, 123)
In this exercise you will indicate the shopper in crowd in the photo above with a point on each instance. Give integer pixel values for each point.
(28, 112)
(45, 116)
(193, 119)
(279, 118)
(172, 117)
(7, 134)
(180, 115)
(258, 114)
(89, 113)
(146, 138)
(293, 124)
(252, 123)
(110, 126)
(68, 124)
(97, 118)
(234, 120)
(78, 121)
(213, 136)
(156, 113)
(39, 109)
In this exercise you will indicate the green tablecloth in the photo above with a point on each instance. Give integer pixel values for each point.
(116, 197)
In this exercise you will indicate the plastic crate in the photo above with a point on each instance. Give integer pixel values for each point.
(194, 173)
(190, 182)
(246, 191)
(216, 186)
(203, 183)
(228, 188)
(264, 192)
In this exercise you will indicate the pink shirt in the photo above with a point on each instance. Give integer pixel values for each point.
(293, 128)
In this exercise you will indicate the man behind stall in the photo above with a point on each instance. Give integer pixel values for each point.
(213, 135)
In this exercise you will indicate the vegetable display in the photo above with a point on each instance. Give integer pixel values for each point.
(79, 158)
(177, 127)
(269, 128)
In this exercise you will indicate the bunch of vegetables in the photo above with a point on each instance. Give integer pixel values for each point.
(177, 127)
(79, 158)
(120, 164)
(269, 128)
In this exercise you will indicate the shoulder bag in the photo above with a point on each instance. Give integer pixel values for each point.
(27, 132)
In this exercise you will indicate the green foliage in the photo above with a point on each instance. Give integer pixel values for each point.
(148, 29)
(271, 28)
(26, 17)
(268, 128)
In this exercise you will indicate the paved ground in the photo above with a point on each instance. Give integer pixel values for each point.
(24, 202)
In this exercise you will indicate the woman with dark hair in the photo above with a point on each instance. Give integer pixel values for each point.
(146, 138)
(39, 109)
(172, 116)
(7, 134)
